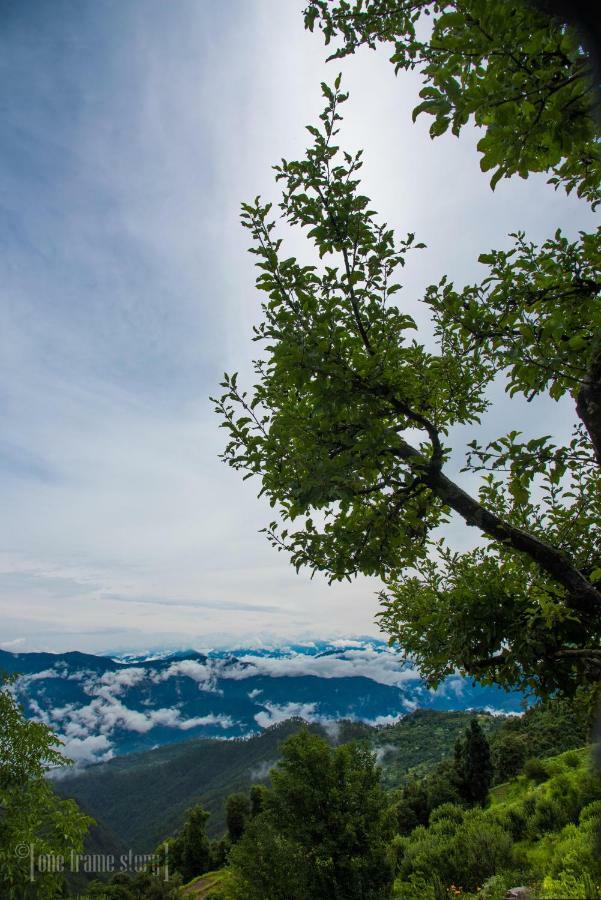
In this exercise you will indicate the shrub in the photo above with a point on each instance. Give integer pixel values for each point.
(572, 759)
(415, 888)
(591, 811)
(495, 887)
(548, 816)
(528, 806)
(514, 821)
(449, 812)
(508, 754)
(463, 852)
(535, 770)
(427, 854)
(569, 887)
(480, 848)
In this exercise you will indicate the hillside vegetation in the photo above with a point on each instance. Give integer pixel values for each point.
(477, 805)
(538, 829)
(142, 798)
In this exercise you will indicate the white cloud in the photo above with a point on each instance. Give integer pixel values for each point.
(261, 771)
(385, 752)
(91, 749)
(122, 679)
(332, 728)
(203, 674)
(273, 713)
(499, 712)
(9, 645)
(383, 720)
(383, 666)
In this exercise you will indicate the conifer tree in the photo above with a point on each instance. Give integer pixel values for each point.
(190, 852)
(237, 813)
(473, 764)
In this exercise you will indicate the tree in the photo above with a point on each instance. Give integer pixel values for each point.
(530, 82)
(190, 852)
(520, 74)
(346, 428)
(33, 820)
(509, 755)
(473, 764)
(237, 814)
(258, 793)
(324, 828)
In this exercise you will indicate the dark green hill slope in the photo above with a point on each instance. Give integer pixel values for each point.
(141, 798)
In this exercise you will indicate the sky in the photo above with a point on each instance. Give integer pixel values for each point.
(131, 132)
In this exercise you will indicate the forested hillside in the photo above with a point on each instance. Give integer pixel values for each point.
(506, 802)
(142, 798)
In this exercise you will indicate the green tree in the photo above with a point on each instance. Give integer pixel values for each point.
(523, 76)
(324, 828)
(509, 755)
(258, 793)
(420, 797)
(237, 814)
(190, 852)
(34, 822)
(473, 764)
(346, 428)
(528, 81)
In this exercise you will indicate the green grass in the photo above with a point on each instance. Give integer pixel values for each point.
(551, 821)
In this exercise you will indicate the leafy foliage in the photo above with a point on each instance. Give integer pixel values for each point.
(533, 833)
(330, 430)
(32, 817)
(237, 813)
(190, 851)
(473, 764)
(324, 829)
(522, 76)
(138, 886)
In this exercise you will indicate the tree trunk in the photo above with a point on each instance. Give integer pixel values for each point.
(588, 402)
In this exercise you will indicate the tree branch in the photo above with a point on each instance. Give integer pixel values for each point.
(582, 595)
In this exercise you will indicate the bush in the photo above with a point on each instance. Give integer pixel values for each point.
(589, 788)
(480, 849)
(495, 887)
(464, 852)
(508, 754)
(427, 854)
(569, 887)
(572, 759)
(591, 811)
(514, 821)
(535, 770)
(415, 888)
(549, 815)
(448, 812)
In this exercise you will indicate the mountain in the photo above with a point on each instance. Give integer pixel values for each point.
(104, 706)
(142, 798)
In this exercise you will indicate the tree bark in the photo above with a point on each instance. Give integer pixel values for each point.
(582, 595)
(588, 402)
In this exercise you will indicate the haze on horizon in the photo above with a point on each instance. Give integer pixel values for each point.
(132, 132)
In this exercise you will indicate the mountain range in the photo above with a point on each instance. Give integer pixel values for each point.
(105, 706)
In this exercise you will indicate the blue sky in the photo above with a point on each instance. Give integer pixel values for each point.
(132, 130)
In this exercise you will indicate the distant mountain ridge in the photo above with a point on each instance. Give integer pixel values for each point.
(103, 706)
